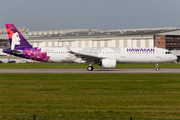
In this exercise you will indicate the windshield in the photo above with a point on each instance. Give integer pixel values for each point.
(168, 52)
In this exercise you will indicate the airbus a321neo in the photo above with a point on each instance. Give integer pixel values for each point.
(107, 57)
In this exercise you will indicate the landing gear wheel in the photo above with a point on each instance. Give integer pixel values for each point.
(157, 69)
(90, 68)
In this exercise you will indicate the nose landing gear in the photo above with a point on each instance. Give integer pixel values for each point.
(157, 67)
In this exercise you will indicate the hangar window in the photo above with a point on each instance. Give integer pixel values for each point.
(158, 43)
(158, 37)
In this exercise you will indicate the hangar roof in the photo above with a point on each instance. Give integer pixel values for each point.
(20, 30)
(3, 32)
(176, 32)
(91, 33)
(80, 33)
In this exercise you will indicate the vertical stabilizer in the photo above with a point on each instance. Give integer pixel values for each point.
(17, 41)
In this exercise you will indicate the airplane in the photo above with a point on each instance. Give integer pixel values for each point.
(107, 57)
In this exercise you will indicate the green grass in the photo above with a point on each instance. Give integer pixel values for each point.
(100, 95)
(79, 66)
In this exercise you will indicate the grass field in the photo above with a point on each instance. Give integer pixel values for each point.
(79, 66)
(100, 95)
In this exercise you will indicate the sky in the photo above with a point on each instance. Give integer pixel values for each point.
(93, 14)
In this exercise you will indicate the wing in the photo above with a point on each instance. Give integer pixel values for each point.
(85, 57)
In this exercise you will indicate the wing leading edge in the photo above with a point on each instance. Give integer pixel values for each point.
(88, 58)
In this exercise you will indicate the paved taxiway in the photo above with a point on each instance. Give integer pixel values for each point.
(85, 71)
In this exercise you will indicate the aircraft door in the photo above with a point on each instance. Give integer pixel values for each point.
(162, 54)
(158, 53)
(123, 53)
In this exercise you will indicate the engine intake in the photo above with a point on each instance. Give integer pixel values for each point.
(109, 63)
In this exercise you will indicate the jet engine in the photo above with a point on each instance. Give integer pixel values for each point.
(108, 63)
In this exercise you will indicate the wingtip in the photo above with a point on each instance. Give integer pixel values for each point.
(67, 47)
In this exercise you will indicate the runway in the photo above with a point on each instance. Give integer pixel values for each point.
(85, 71)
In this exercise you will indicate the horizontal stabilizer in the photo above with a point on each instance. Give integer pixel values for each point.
(18, 52)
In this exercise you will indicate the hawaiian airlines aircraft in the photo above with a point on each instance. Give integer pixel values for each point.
(107, 57)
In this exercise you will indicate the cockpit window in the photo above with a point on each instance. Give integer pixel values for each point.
(168, 52)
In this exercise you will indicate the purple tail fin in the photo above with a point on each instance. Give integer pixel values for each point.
(17, 41)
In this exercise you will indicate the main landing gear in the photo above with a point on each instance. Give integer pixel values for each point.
(157, 67)
(90, 68)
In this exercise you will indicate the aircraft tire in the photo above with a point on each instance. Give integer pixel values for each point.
(90, 68)
(157, 69)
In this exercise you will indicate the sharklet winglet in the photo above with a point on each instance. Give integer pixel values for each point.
(69, 50)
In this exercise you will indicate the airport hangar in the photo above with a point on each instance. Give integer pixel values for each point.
(168, 38)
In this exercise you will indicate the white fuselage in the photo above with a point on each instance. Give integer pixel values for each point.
(122, 55)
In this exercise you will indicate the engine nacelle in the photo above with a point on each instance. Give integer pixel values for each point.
(109, 63)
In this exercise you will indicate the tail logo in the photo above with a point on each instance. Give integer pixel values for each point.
(19, 43)
(14, 35)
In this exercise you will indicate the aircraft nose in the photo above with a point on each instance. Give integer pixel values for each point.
(174, 57)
